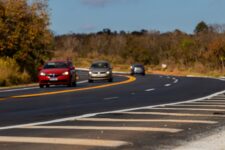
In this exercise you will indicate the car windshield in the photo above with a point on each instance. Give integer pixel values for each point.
(52, 65)
(100, 65)
(138, 65)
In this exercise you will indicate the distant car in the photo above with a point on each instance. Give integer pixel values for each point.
(100, 70)
(57, 73)
(137, 69)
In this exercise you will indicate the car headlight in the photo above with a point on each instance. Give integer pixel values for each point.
(42, 74)
(65, 73)
(108, 72)
(90, 72)
(131, 67)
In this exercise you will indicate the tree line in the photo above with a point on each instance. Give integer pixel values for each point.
(205, 48)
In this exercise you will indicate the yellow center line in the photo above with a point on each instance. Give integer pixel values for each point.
(130, 79)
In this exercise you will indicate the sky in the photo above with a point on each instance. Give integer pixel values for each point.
(88, 16)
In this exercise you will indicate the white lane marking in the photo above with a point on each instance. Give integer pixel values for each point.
(110, 98)
(107, 112)
(213, 103)
(147, 120)
(84, 81)
(218, 98)
(167, 85)
(64, 141)
(31, 88)
(20, 89)
(172, 114)
(176, 81)
(191, 109)
(148, 90)
(138, 129)
(192, 105)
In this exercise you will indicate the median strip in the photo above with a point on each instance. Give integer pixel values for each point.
(64, 141)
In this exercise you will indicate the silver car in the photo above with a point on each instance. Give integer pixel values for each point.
(100, 70)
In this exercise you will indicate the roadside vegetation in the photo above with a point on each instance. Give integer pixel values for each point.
(201, 53)
(26, 42)
(25, 39)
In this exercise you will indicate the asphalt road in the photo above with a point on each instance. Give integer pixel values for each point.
(116, 130)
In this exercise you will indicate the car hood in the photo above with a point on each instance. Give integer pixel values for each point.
(55, 71)
(99, 69)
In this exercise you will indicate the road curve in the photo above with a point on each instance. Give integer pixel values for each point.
(45, 116)
(32, 105)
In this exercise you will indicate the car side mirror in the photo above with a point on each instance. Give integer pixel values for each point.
(72, 68)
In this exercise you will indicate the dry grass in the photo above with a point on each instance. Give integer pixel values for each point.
(10, 74)
(197, 69)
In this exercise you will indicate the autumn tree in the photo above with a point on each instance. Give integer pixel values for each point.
(24, 32)
(216, 52)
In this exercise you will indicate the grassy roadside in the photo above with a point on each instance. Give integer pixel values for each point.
(12, 78)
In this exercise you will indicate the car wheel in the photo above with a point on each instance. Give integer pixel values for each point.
(90, 81)
(41, 85)
(47, 85)
(74, 83)
(110, 80)
(143, 74)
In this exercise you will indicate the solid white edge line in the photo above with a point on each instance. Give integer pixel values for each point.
(31, 88)
(107, 112)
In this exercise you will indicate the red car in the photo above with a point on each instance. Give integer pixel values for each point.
(57, 73)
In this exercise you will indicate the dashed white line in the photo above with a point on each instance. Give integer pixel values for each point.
(166, 85)
(148, 90)
(64, 141)
(176, 81)
(110, 98)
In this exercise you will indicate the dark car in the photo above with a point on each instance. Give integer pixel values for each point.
(100, 70)
(57, 73)
(137, 69)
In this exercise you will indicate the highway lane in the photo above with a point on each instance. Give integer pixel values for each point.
(144, 91)
(135, 94)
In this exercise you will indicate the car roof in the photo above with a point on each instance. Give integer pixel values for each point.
(137, 64)
(64, 61)
(100, 61)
